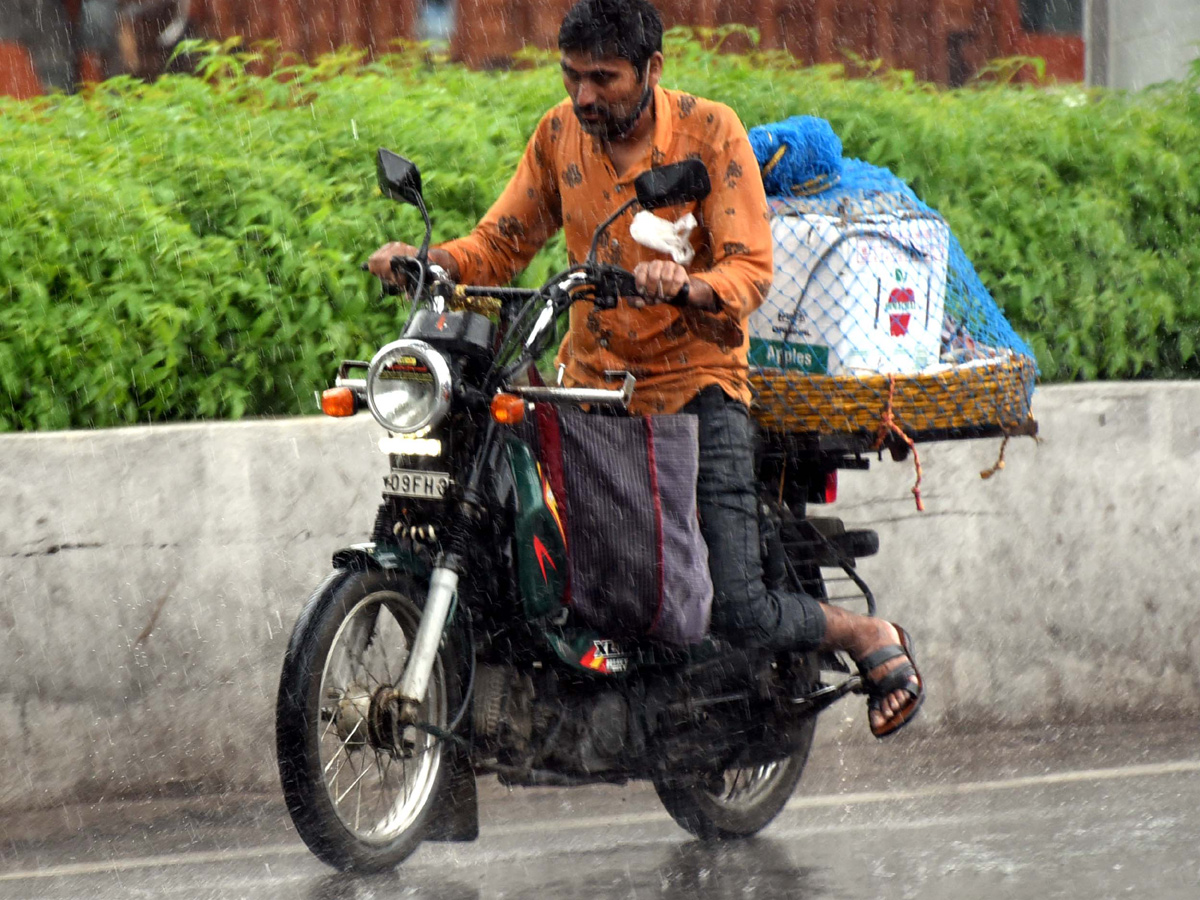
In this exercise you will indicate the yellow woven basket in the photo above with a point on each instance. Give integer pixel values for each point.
(972, 400)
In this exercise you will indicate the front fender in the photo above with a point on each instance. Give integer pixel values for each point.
(364, 557)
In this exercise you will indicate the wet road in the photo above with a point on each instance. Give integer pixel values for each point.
(1048, 814)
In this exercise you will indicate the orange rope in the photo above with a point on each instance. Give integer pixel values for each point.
(887, 426)
(988, 473)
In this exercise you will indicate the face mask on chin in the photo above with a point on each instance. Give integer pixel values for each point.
(610, 128)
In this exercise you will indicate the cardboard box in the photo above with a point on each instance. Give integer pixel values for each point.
(848, 296)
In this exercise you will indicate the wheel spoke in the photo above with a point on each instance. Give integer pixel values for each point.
(382, 793)
(333, 778)
(343, 745)
(353, 785)
(745, 785)
(358, 807)
(332, 722)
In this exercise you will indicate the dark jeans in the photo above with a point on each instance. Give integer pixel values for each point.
(744, 612)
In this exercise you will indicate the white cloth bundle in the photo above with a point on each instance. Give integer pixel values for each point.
(665, 237)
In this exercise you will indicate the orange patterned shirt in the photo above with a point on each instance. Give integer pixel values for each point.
(566, 180)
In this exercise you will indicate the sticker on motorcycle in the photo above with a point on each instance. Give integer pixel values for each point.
(552, 503)
(605, 656)
(543, 557)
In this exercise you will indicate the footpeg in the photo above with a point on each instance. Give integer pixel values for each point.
(826, 695)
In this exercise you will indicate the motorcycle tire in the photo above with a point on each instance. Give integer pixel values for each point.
(349, 642)
(742, 801)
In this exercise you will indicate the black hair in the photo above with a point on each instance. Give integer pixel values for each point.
(626, 29)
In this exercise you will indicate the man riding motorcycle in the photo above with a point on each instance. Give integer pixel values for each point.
(580, 165)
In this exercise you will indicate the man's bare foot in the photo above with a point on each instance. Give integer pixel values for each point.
(883, 653)
(883, 715)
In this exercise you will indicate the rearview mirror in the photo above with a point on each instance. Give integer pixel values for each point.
(399, 179)
(679, 182)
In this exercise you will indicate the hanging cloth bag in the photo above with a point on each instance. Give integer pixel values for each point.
(626, 491)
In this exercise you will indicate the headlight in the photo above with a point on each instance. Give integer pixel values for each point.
(408, 386)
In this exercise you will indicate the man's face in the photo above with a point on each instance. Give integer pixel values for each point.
(605, 91)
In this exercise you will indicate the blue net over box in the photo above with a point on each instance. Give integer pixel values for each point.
(875, 316)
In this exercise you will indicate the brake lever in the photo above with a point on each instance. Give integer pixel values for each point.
(611, 284)
(406, 264)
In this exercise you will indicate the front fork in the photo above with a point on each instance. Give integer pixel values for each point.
(443, 584)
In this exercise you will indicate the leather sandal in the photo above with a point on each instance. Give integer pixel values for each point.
(904, 677)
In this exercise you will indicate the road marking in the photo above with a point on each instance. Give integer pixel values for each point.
(1151, 770)
(152, 862)
(837, 800)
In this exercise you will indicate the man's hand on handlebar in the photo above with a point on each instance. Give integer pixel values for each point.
(662, 281)
(380, 263)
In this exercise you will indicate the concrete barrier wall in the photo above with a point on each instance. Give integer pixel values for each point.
(149, 578)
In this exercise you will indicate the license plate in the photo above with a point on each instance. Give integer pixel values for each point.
(413, 483)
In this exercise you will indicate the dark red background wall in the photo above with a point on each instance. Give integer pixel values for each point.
(943, 41)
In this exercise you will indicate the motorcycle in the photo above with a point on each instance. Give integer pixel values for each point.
(442, 649)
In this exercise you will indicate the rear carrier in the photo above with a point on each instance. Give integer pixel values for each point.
(876, 332)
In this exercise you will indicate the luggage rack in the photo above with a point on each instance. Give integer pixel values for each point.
(830, 412)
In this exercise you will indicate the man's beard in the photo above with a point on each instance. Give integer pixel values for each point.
(608, 127)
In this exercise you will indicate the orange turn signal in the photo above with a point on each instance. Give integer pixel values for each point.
(338, 402)
(508, 409)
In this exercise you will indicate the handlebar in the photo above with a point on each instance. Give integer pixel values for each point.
(602, 284)
(613, 282)
(411, 269)
(610, 283)
(407, 265)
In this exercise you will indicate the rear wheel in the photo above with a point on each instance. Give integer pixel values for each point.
(739, 803)
(742, 800)
(359, 788)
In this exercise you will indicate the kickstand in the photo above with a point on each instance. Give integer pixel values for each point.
(826, 695)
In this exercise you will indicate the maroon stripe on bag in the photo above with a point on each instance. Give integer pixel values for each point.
(660, 559)
(550, 454)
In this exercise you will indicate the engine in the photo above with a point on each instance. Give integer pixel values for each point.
(548, 727)
(544, 724)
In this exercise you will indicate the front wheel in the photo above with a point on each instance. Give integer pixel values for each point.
(359, 789)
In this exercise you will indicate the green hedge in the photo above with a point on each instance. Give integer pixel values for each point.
(190, 249)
